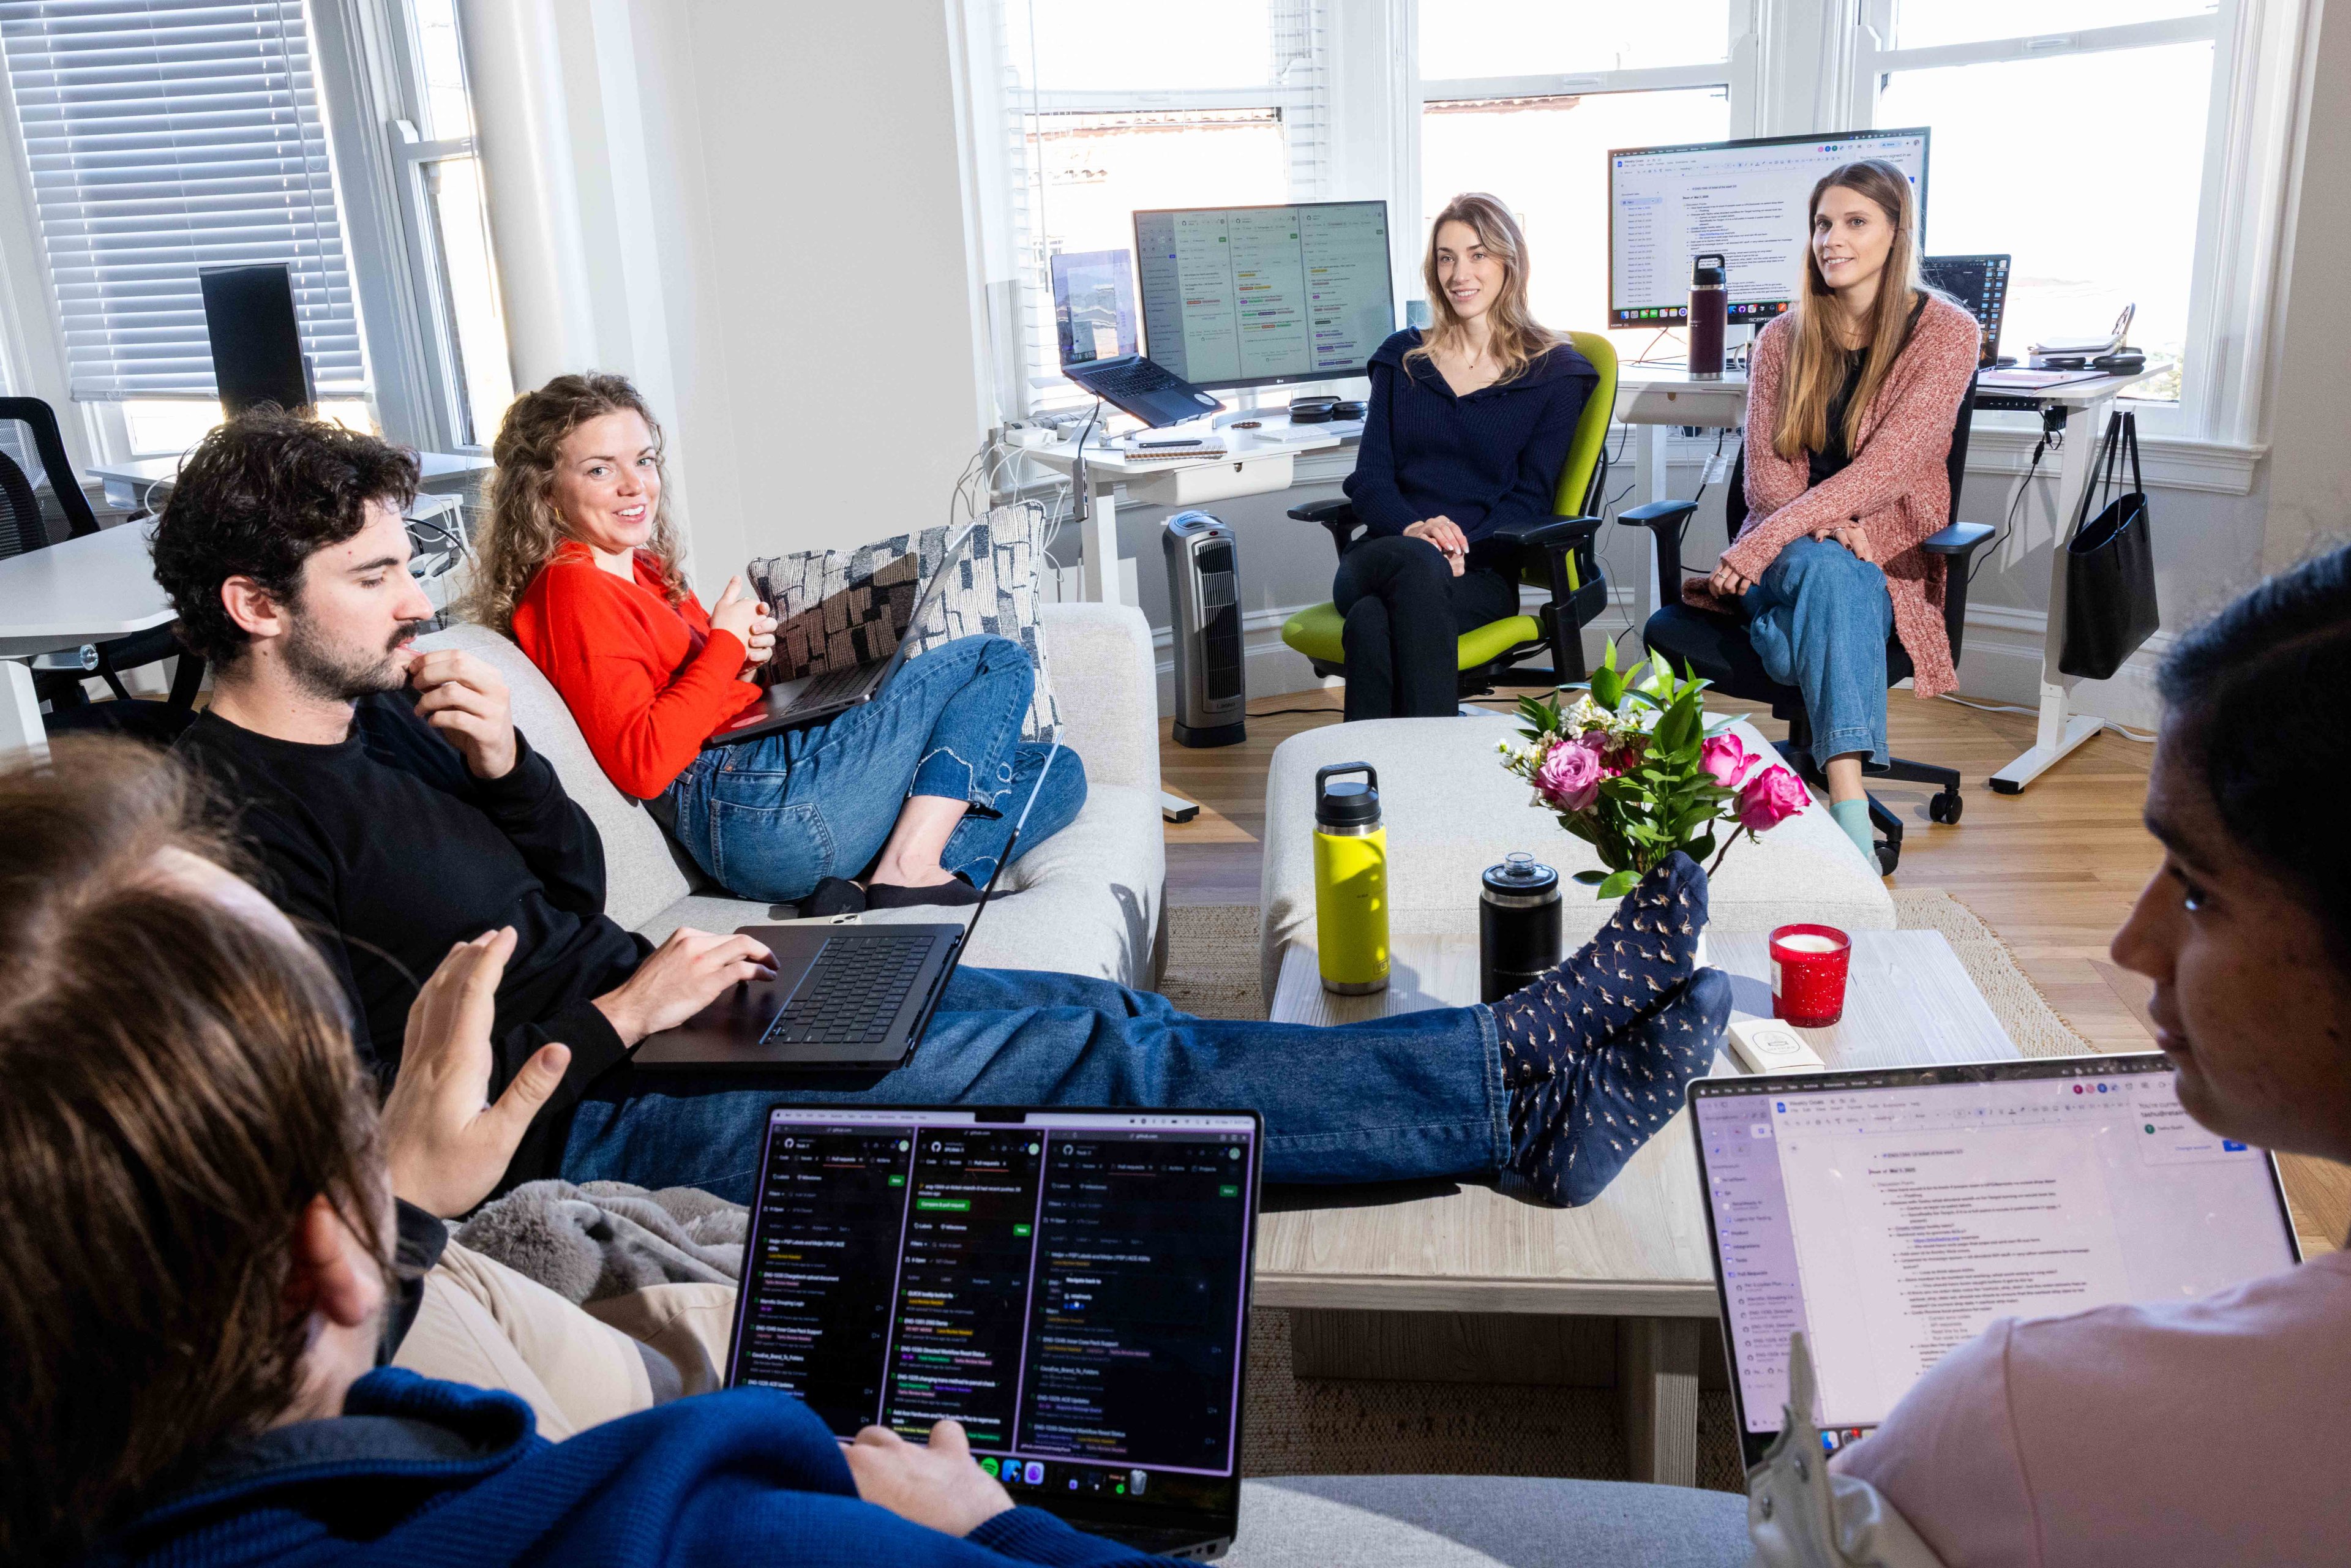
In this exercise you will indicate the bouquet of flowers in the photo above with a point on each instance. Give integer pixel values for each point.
(1632, 768)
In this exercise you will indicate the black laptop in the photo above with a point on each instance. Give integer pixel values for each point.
(842, 997)
(1093, 317)
(809, 699)
(1070, 1285)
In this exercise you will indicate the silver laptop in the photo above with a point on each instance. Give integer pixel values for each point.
(1893, 1215)
(809, 699)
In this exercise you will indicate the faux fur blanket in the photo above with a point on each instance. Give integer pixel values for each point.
(607, 1237)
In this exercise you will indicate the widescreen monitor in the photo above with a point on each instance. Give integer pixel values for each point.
(1745, 200)
(1256, 296)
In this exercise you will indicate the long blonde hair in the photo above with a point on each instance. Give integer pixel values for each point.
(1816, 362)
(1514, 337)
(523, 531)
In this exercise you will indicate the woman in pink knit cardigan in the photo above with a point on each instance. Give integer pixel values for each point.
(1849, 411)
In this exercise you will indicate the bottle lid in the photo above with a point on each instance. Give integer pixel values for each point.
(1708, 271)
(1347, 803)
(1521, 872)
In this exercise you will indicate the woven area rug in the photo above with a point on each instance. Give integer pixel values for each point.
(1297, 1425)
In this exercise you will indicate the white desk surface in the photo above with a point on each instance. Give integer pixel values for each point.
(142, 471)
(2077, 395)
(80, 590)
(1640, 1248)
(1276, 438)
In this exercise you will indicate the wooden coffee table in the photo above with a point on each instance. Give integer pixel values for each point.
(1638, 1253)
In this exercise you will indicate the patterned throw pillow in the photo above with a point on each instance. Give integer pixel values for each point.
(846, 607)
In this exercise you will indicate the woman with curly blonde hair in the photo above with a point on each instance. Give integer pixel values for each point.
(579, 566)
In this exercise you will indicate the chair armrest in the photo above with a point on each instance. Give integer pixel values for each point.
(1105, 684)
(1961, 540)
(1324, 511)
(1656, 512)
(1664, 520)
(1542, 533)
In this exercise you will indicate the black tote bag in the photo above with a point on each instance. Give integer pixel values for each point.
(2109, 565)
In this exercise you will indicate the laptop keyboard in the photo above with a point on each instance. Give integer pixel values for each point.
(1143, 376)
(852, 992)
(831, 687)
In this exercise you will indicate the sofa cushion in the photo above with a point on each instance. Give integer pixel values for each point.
(642, 874)
(1451, 811)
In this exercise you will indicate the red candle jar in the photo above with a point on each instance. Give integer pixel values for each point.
(1808, 970)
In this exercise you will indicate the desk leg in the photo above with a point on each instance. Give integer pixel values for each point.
(2059, 730)
(1100, 547)
(1656, 1380)
(1650, 478)
(20, 711)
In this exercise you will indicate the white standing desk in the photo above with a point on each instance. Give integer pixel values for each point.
(129, 483)
(1652, 400)
(88, 589)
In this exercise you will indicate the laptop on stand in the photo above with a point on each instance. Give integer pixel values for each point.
(842, 996)
(1891, 1215)
(1093, 317)
(1070, 1285)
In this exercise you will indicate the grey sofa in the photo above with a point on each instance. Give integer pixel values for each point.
(1088, 901)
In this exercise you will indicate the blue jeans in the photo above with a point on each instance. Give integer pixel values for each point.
(1415, 1095)
(773, 816)
(1819, 620)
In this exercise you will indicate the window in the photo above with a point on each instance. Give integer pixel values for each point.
(162, 136)
(1119, 106)
(446, 220)
(1525, 99)
(2125, 87)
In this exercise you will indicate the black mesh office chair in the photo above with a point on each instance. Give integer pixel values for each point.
(25, 526)
(1717, 646)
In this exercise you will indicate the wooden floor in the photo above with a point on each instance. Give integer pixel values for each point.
(2053, 871)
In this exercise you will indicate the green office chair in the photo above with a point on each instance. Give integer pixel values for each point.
(1557, 553)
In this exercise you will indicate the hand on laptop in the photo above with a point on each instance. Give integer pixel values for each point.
(683, 976)
(466, 701)
(937, 1483)
(446, 1147)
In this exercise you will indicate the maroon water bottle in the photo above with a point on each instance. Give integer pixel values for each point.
(1708, 309)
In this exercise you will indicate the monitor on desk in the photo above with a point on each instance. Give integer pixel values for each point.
(1256, 296)
(1980, 283)
(1746, 200)
(257, 337)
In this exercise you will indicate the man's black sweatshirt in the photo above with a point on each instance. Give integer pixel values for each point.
(387, 851)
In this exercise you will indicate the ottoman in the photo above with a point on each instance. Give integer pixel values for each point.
(1451, 811)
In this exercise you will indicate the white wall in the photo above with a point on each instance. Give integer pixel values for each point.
(2309, 479)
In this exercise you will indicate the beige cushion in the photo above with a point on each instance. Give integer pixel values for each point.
(1451, 811)
(1087, 901)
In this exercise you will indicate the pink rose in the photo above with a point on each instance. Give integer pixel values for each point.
(1569, 776)
(1726, 759)
(1771, 798)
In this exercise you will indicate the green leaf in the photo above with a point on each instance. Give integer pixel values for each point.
(1607, 688)
(1591, 878)
(1618, 886)
(1700, 849)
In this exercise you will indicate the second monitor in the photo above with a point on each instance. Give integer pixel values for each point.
(1252, 297)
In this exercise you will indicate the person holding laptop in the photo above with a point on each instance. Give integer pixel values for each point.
(391, 827)
(579, 566)
(1849, 412)
(1467, 427)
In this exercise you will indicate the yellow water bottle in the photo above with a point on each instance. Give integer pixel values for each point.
(1351, 880)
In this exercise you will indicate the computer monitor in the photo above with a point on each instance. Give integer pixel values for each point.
(1256, 297)
(1744, 199)
(1093, 305)
(257, 338)
(1980, 283)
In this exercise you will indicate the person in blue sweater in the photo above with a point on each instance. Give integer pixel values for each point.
(1469, 425)
(199, 1201)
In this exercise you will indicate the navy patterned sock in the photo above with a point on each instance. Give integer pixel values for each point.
(1645, 951)
(1571, 1134)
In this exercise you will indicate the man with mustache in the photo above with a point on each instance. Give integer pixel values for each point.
(382, 786)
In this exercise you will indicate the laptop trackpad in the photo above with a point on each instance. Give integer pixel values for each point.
(731, 1028)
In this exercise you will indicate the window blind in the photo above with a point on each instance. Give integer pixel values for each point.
(165, 135)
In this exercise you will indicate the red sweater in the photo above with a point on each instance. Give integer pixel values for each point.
(647, 681)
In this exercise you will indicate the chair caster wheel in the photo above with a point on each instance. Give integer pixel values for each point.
(1888, 857)
(1946, 808)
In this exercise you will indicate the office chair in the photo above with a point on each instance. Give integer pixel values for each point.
(1556, 553)
(1716, 646)
(23, 527)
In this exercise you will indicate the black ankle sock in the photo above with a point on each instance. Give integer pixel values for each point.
(1646, 950)
(833, 895)
(1571, 1134)
(956, 889)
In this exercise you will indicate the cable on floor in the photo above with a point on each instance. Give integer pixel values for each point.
(2125, 733)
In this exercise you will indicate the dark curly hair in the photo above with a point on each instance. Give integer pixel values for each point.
(256, 499)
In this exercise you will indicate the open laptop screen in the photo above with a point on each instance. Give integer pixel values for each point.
(1892, 1216)
(1072, 1286)
(1093, 305)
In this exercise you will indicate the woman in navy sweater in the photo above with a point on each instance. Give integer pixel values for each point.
(1467, 427)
